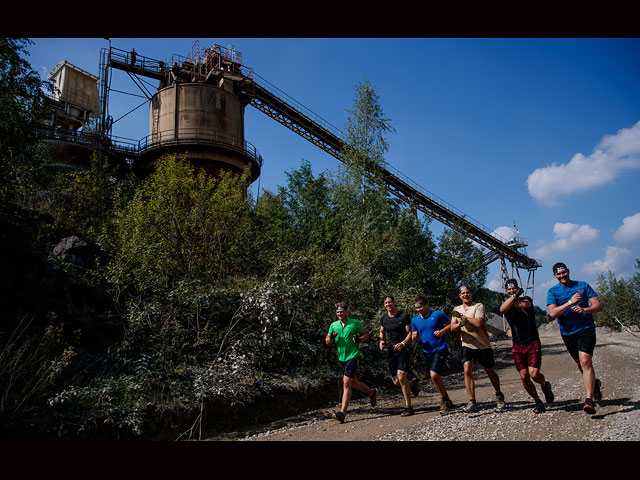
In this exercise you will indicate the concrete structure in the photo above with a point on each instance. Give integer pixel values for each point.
(197, 111)
(203, 121)
(75, 101)
(76, 93)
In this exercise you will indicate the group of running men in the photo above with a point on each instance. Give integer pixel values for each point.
(571, 302)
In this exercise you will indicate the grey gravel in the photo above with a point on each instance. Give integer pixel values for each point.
(617, 364)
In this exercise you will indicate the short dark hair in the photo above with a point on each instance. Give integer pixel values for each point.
(420, 298)
(343, 305)
(389, 297)
(557, 266)
(511, 281)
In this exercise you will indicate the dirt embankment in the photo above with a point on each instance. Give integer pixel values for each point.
(616, 362)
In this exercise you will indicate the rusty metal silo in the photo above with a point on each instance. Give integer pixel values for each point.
(200, 112)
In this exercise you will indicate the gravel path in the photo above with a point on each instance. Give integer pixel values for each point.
(616, 362)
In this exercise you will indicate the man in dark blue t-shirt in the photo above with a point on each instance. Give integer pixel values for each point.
(395, 335)
(432, 326)
(573, 303)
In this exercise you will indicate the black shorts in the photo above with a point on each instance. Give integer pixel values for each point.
(399, 360)
(435, 361)
(483, 355)
(582, 341)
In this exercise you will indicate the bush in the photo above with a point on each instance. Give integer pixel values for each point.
(620, 298)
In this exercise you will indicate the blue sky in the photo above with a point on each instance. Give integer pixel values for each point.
(543, 132)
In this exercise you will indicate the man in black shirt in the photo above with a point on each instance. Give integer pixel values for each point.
(526, 348)
(395, 335)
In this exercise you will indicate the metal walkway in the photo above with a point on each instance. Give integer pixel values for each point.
(399, 185)
(305, 123)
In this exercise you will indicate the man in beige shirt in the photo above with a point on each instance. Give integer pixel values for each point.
(470, 321)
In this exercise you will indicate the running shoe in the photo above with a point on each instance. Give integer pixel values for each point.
(415, 387)
(374, 397)
(589, 406)
(408, 411)
(548, 393)
(339, 416)
(445, 406)
(471, 407)
(539, 407)
(500, 401)
(597, 394)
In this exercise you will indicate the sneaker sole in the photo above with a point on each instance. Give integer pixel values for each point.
(589, 409)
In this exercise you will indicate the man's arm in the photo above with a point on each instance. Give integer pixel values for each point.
(514, 301)
(406, 340)
(362, 337)
(478, 321)
(595, 306)
(382, 337)
(443, 331)
(329, 338)
(557, 310)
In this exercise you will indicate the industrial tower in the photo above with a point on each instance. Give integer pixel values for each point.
(198, 110)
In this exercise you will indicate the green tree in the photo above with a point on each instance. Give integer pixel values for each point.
(620, 298)
(22, 109)
(181, 247)
(458, 261)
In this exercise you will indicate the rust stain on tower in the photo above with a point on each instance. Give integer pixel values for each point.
(198, 110)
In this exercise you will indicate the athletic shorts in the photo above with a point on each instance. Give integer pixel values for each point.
(483, 355)
(435, 361)
(350, 367)
(528, 355)
(582, 341)
(399, 360)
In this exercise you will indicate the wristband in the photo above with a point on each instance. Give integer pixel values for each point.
(570, 303)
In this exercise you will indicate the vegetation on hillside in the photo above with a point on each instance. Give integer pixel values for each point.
(190, 291)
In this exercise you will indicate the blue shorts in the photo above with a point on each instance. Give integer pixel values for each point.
(435, 361)
(350, 367)
(483, 355)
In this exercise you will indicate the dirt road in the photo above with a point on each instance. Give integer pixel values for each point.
(616, 362)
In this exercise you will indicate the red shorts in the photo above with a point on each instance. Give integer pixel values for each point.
(529, 355)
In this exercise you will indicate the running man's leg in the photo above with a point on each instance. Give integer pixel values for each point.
(405, 385)
(529, 387)
(469, 384)
(588, 373)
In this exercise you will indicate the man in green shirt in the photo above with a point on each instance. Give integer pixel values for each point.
(346, 333)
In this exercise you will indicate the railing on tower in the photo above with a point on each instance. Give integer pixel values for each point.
(262, 95)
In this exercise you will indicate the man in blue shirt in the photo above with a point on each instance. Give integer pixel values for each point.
(573, 303)
(432, 325)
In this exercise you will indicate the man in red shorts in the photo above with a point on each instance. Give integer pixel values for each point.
(526, 348)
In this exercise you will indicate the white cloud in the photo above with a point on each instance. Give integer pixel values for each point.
(629, 230)
(504, 232)
(613, 155)
(540, 291)
(616, 259)
(494, 285)
(566, 236)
